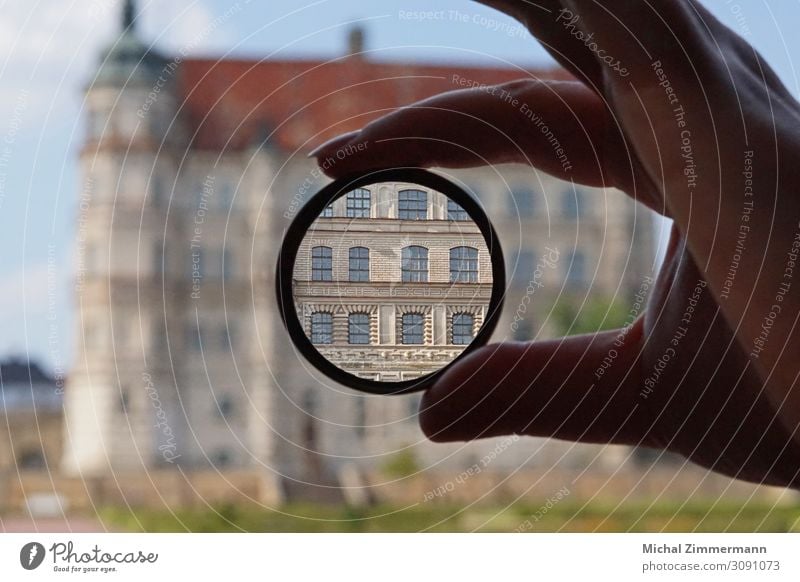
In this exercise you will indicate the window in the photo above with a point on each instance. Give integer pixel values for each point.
(33, 459)
(359, 264)
(360, 421)
(156, 190)
(576, 275)
(225, 405)
(158, 258)
(327, 212)
(413, 328)
(455, 212)
(524, 330)
(415, 264)
(526, 263)
(193, 338)
(412, 205)
(321, 328)
(358, 203)
(124, 400)
(227, 336)
(321, 264)
(227, 265)
(225, 194)
(222, 458)
(572, 203)
(463, 326)
(463, 265)
(160, 341)
(523, 201)
(358, 328)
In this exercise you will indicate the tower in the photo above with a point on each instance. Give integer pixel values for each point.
(121, 410)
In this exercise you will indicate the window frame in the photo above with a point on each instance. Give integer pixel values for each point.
(455, 212)
(362, 265)
(326, 272)
(405, 334)
(315, 333)
(457, 325)
(415, 208)
(363, 328)
(414, 269)
(457, 275)
(354, 203)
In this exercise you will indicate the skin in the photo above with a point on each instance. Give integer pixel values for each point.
(722, 399)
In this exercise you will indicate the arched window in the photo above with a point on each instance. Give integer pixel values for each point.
(358, 203)
(358, 328)
(455, 212)
(463, 265)
(322, 264)
(463, 329)
(412, 205)
(321, 327)
(413, 328)
(415, 264)
(359, 264)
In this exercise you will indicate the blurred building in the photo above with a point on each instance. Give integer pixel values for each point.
(191, 171)
(31, 429)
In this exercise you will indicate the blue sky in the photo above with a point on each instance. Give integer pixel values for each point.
(49, 49)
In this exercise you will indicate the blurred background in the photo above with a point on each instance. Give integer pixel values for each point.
(152, 154)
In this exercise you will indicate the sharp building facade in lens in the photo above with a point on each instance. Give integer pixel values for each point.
(191, 171)
(392, 281)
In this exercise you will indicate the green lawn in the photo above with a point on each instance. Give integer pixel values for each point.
(564, 516)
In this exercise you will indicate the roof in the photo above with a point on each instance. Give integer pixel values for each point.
(230, 104)
(25, 386)
(22, 371)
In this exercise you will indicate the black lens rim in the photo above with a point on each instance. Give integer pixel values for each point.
(296, 234)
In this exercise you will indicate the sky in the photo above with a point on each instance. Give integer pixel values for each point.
(49, 50)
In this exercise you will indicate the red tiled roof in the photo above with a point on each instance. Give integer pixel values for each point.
(230, 103)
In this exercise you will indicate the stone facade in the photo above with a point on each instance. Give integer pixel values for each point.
(371, 293)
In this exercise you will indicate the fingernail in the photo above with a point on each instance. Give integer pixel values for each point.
(336, 140)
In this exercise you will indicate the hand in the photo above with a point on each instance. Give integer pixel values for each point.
(672, 117)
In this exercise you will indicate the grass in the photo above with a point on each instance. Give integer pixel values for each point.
(564, 516)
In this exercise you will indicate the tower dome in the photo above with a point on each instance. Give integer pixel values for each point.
(129, 60)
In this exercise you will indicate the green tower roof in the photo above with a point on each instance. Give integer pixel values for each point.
(128, 60)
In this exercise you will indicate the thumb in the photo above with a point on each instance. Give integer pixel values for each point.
(579, 388)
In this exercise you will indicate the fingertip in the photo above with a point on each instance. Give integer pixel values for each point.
(330, 147)
(460, 405)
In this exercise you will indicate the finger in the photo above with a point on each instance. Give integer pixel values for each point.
(679, 34)
(556, 126)
(580, 388)
(684, 37)
(548, 21)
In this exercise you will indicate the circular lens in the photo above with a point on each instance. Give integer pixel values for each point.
(387, 279)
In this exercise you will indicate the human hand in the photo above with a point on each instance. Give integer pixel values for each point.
(672, 117)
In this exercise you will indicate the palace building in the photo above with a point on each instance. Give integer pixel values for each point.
(192, 169)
